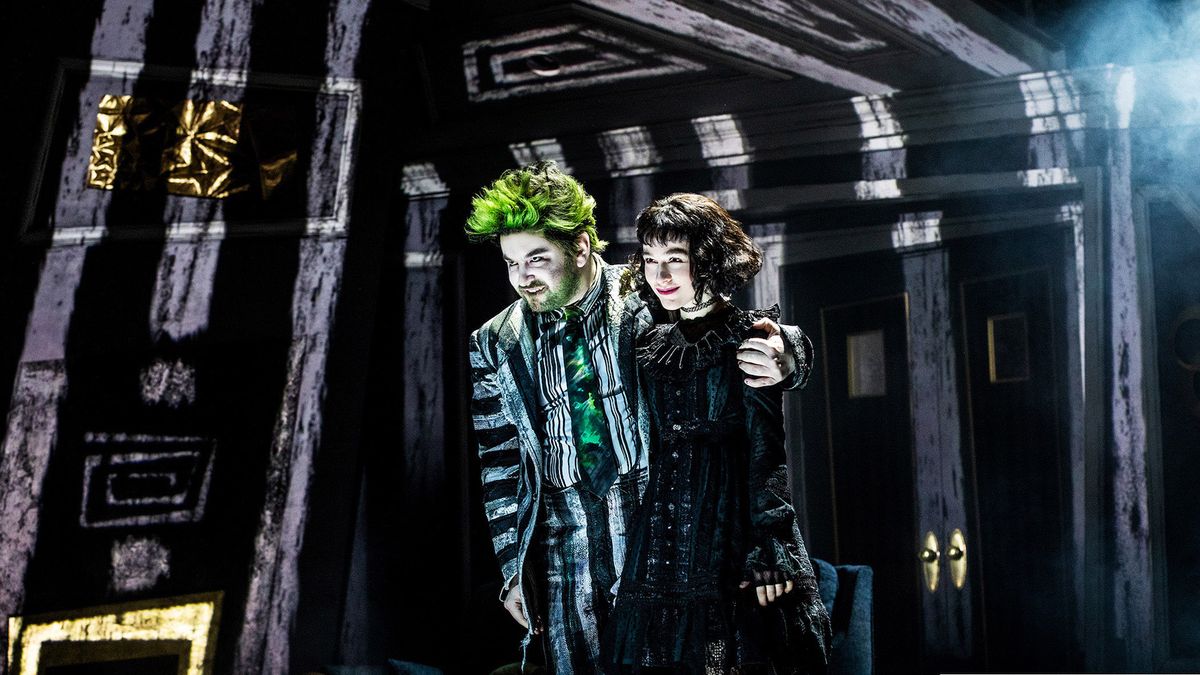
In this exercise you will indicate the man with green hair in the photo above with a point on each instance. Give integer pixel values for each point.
(562, 428)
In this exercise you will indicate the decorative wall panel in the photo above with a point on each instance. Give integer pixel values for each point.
(245, 154)
(169, 402)
(558, 58)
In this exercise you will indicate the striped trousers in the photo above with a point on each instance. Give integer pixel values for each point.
(582, 546)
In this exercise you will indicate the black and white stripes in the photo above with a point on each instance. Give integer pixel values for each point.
(499, 458)
(561, 466)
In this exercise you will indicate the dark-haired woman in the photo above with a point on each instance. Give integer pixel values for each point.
(716, 577)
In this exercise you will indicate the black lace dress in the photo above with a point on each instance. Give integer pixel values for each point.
(716, 512)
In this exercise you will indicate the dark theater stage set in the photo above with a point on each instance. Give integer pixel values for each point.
(235, 297)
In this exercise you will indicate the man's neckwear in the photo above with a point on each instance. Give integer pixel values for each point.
(597, 462)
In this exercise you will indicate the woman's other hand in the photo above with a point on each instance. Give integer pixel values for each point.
(769, 586)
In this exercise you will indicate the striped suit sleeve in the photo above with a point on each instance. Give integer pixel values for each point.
(499, 459)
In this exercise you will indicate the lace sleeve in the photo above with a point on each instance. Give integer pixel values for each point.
(776, 552)
(774, 542)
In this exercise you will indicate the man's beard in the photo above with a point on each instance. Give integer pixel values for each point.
(558, 294)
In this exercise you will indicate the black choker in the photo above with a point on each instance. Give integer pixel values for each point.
(701, 305)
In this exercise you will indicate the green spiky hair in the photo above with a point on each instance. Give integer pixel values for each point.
(538, 198)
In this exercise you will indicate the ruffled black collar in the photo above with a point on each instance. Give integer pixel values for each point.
(679, 349)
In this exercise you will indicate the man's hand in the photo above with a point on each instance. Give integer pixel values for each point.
(765, 360)
(514, 602)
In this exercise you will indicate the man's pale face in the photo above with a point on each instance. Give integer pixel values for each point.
(543, 274)
(668, 269)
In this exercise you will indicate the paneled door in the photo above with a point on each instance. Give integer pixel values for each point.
(935, 443)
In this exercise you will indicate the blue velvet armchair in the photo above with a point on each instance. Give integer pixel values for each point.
(846, 592)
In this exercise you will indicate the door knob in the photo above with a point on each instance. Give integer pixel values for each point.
(929, 561)
(957, 553)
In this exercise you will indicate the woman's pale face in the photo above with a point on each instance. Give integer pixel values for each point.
(668, 269)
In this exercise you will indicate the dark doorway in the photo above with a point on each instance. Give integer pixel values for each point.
(968, 531)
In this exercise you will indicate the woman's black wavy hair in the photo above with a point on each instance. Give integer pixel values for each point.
(723, 257)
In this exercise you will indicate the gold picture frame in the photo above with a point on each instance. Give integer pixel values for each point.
(183, 626)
